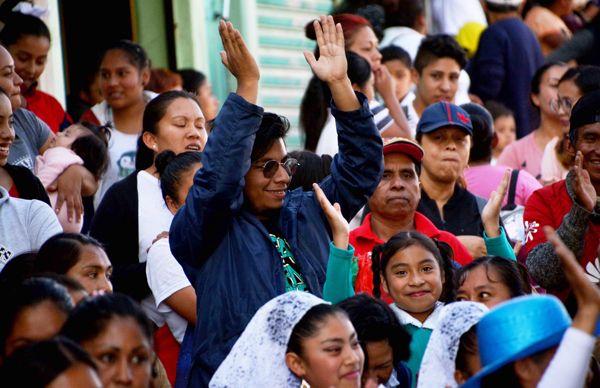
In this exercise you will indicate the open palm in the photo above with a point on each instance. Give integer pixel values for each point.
(332, 65)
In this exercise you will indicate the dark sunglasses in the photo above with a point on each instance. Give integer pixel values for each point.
(271, 166)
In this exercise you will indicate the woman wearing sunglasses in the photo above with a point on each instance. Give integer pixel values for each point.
(246, 237)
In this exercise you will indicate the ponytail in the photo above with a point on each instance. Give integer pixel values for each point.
(377, 271)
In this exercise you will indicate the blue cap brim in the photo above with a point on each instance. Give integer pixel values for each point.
(547, 343)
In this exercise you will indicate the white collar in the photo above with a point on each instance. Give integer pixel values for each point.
(407, 319)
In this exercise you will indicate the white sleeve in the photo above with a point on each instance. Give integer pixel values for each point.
(43, 223)
(165, 275)
(569, 366)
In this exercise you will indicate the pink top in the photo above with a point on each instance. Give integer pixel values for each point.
(523, 154)
(48, 168)
(482, 180)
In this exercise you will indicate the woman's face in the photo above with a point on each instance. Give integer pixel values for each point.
(365, 44)
(78, 375)
(568, 95)
(10, 81)
(208, 102)
(7, 132)
(548, 95)
(122, 353)
(483, 285)
(414, 280)
(121, 82)
(92, 270)
(34, 323)
(333, 356)
(30, 53)
(180, 129)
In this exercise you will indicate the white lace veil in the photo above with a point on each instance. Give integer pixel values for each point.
(439, 360)
(258, 357)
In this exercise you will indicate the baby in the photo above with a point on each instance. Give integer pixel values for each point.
(84, 144)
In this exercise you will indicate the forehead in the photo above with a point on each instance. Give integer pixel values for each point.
(398, 160)
(444, 65)
(554, 73)
(182, 106)
(590, 129)
(364, 34)
(481, 275)
(5, 107)
(5, 58)
(276, 152)
(116, 58)
(32, 42)
(447, 131)
(396, 65)
(569, 89)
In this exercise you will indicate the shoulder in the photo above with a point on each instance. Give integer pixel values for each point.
(123, 191)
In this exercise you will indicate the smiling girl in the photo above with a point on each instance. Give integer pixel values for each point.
(294, 338)
(410, 267)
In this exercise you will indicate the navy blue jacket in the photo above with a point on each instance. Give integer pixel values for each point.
(235, 264)
(506, 59)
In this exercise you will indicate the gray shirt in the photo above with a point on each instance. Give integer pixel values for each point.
(24, 226)
(31, 134)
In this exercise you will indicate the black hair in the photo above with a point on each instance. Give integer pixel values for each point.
(38, 364)
(585, 77)
(506, 376)
(310, 323)
(30, 293)
(392, 52)
(71, 284)
(93, 148)
(441, 252)
(536, 80)
(272, 127)
(375, 321)
(359, 70)
(62, 251)
(136, 53)
(90, 318)
(18, 269)
(153, 113)
(312, 169)
(192, 79)
(171, 167)
(18, 25)
(404, 13)
(511, 273)
(483, 132)
(498, 109)
(436, 47)
(314, 111)
(467, 346)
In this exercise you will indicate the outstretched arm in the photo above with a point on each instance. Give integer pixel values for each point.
(357, 167)
(217, 192)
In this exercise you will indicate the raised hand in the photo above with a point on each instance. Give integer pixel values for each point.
(237, 59)
(490, 215)
(586, 293)
(339, 226)
(584, 190)
(331, 66)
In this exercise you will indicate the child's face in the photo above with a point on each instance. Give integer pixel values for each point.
(414, 280)
(121, 82)
(30, 53)
(330, 358)
(506, 130)
(68, 136)
(401, 75)
(438, 81)
(483, 285)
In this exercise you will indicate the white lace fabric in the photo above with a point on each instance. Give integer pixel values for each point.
(258, 357)
(439, 360)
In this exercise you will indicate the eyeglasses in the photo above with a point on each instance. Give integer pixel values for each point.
(564, 103)
(271, 166)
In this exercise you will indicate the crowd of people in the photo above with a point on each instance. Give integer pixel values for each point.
(440, 228)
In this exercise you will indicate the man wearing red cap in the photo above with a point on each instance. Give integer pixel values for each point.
(393, 209)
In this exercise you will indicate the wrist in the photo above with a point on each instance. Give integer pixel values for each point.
(337, 83)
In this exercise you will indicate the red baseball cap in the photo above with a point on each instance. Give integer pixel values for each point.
(404, 146)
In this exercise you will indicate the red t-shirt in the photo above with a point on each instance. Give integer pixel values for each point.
(48, 109)
(363, 239)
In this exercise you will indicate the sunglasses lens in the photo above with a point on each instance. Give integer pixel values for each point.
(270, 168)
(291, 165)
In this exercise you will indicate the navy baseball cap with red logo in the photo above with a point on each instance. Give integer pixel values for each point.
(444, 114)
